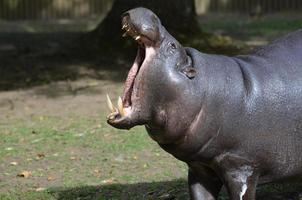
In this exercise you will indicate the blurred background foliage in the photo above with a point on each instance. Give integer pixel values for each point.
(62, 9)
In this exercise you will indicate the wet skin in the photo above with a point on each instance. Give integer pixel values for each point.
(236, 121)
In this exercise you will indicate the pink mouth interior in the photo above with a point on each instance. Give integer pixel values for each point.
(128, 88)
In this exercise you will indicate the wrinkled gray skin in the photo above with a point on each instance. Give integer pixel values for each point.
(236, 121)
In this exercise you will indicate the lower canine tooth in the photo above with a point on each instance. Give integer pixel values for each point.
(110, 105)
(137, 37)
(120, 107)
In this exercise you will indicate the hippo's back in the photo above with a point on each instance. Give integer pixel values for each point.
(274, 72)
(287, 48)
(273, 107)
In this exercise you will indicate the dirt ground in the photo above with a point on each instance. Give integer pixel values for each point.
(83, 97)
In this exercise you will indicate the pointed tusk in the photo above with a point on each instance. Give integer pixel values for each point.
(120, 106)
(110, 105)
(124, 26)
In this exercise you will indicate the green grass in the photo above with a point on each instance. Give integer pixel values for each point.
(88, 159)
(246, 29)
(82, 155)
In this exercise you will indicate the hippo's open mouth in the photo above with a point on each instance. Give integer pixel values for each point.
(124, 115)
(144, 43)
(128, 88)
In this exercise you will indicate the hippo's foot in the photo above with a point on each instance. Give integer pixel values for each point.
(241, 183)
(203, 185)
(239, 176)
(206, 185)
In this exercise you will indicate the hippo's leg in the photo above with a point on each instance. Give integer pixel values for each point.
(239, 176)
(203, 185)
(241, 183)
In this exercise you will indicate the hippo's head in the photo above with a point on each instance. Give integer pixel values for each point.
(159, 90)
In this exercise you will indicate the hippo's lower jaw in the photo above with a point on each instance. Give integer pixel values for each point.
(122, 121)
(123, 117)
(129, 111)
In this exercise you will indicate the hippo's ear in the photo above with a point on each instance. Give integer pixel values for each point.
(188, 70)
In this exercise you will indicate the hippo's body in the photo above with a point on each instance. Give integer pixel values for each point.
(236, 121)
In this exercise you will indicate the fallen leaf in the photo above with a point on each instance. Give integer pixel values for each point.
(165, 196)
(14, 163)
(109, 181)
(37, 140)
(72, 158)
(40, 155)
(24, 174)
(40, 189)
(50, 178)
(97, 173)
(80, 134)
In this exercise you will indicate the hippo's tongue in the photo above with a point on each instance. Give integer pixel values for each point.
(128, 88)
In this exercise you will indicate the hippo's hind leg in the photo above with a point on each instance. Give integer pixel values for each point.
(241, 183)
(239, 176)
(203, 184)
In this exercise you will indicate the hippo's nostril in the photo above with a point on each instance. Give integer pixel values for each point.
(125, 18)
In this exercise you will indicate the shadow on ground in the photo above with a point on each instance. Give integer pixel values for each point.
(31, 59)
(176, 189)
(167, 190)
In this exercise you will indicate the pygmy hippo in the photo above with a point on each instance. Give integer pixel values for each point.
(236, 121)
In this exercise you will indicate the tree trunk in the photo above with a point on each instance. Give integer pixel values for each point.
(178, 16)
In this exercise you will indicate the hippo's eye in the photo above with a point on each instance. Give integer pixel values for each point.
(171, 47)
